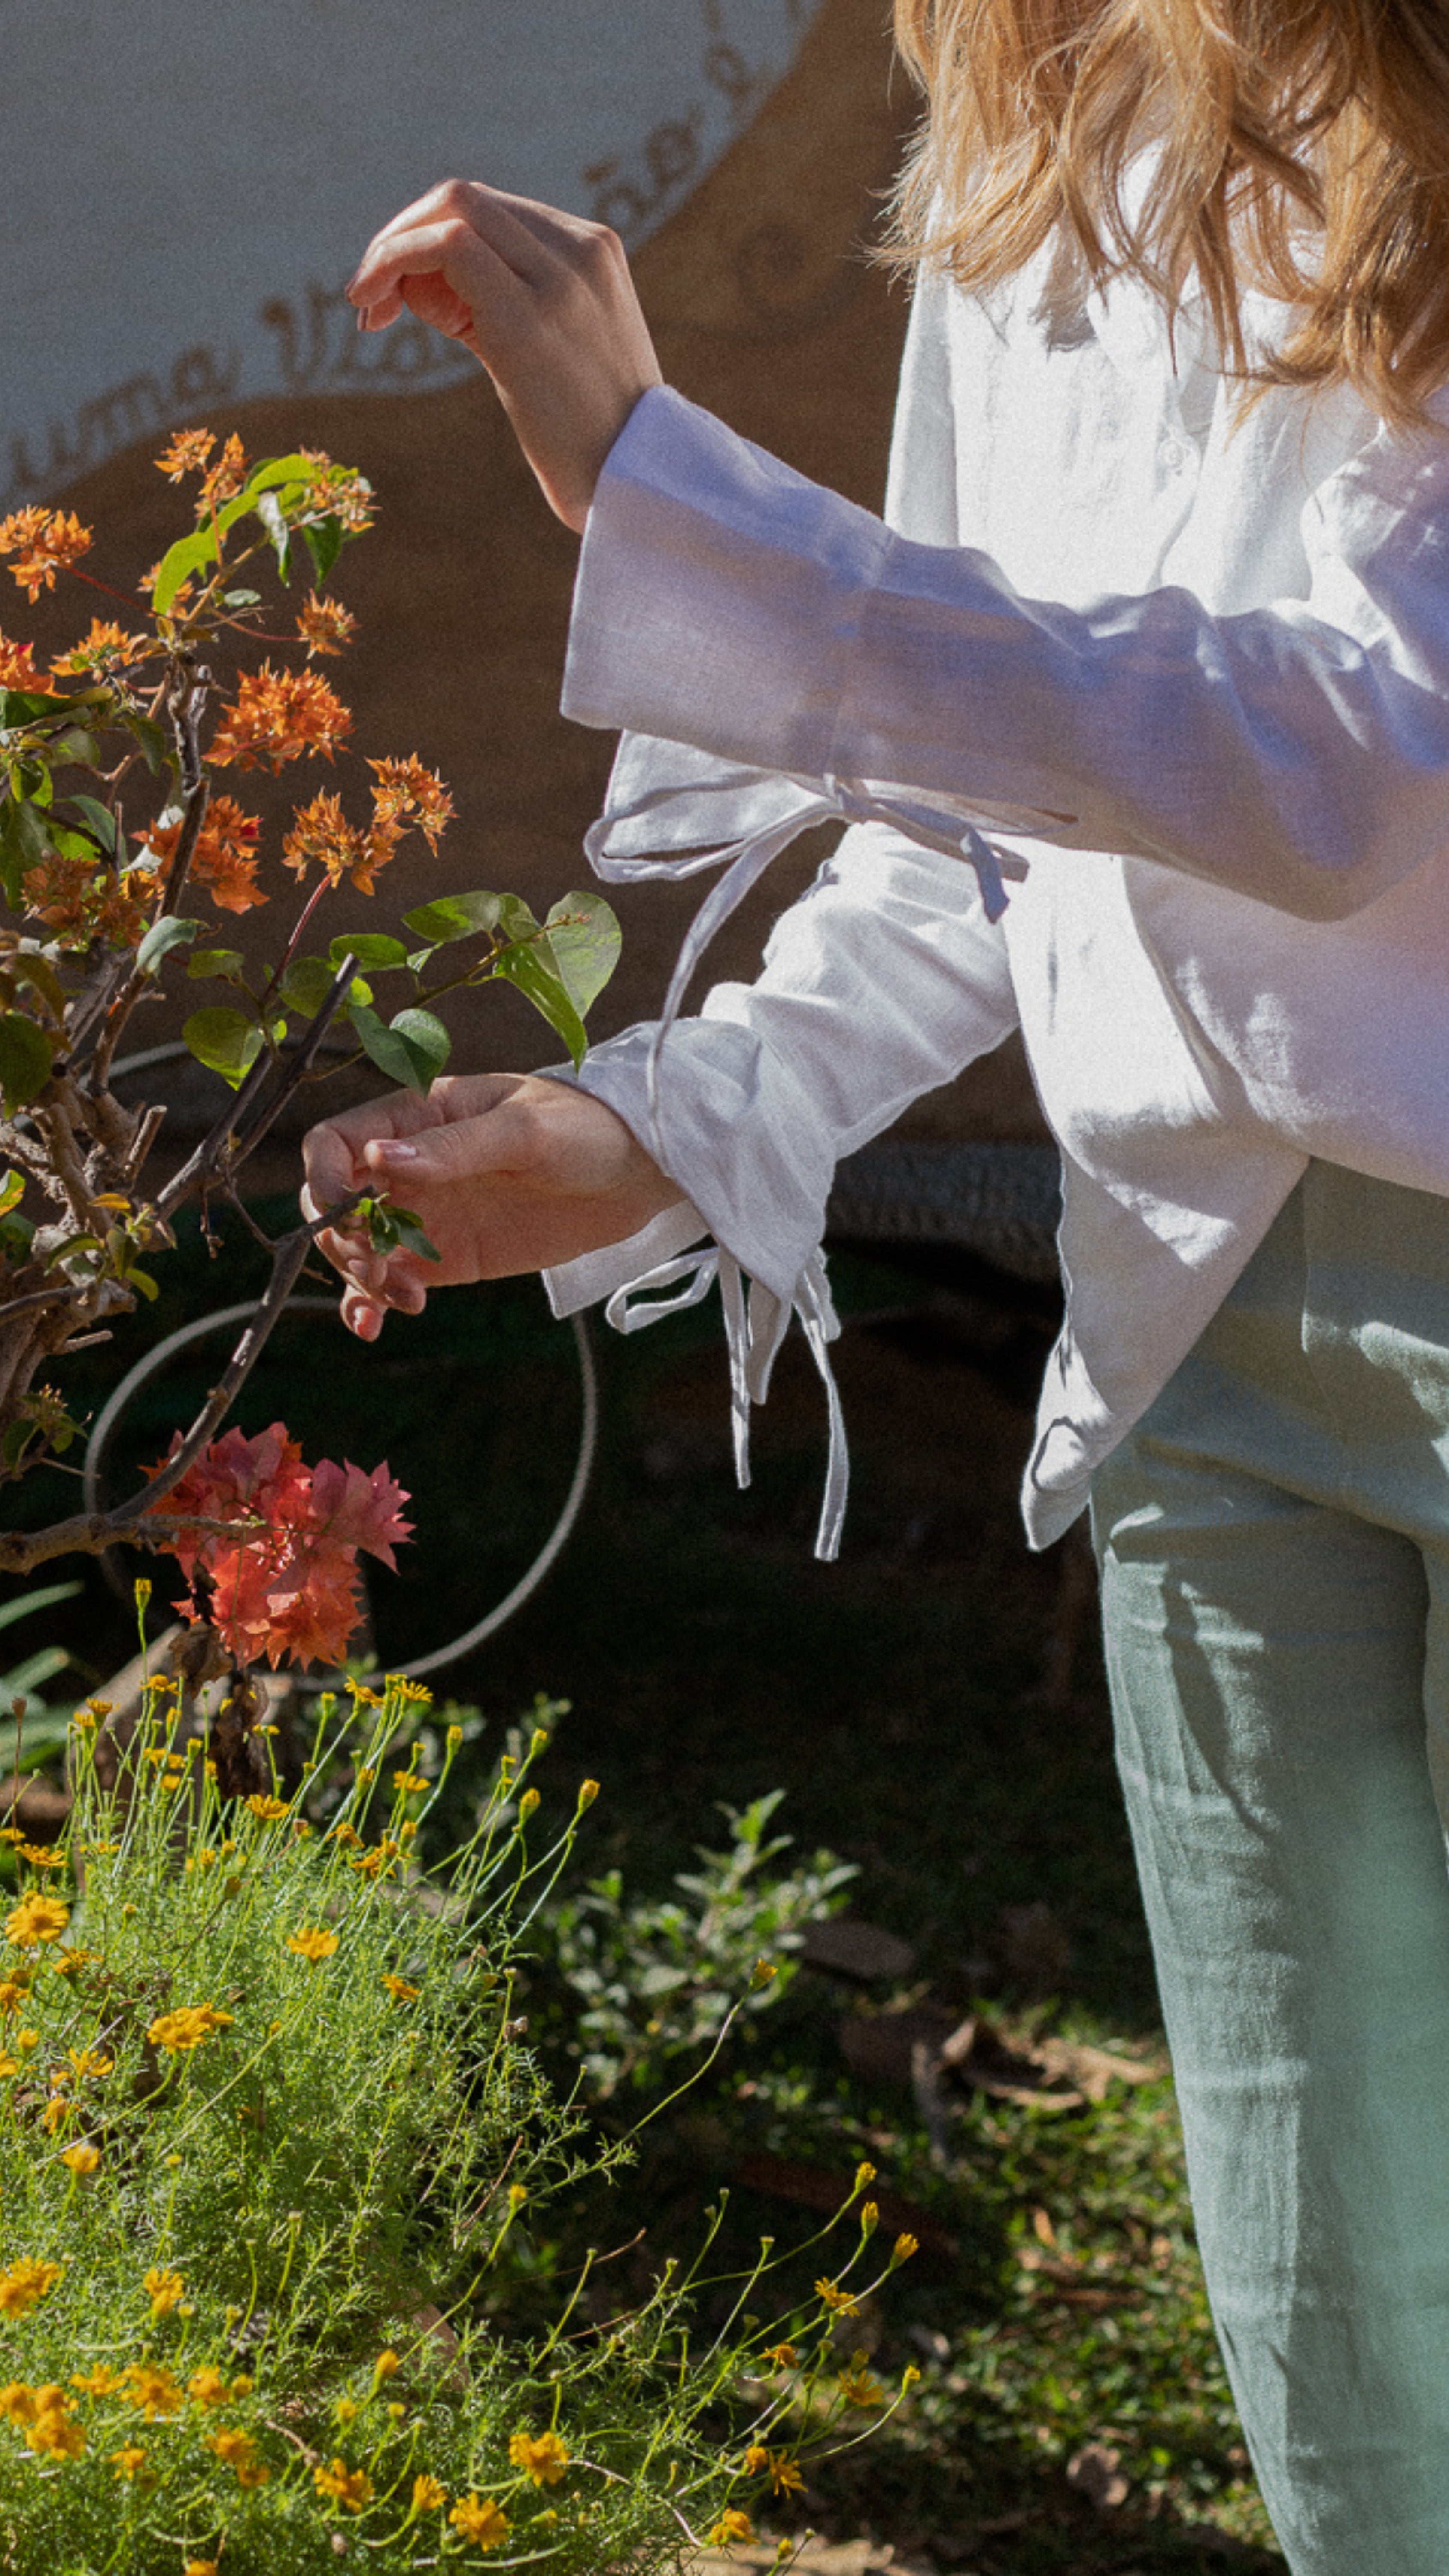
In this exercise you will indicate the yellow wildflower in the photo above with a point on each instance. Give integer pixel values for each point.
(27, 2039)
(351, 2488)
(238, 2451)
(165, 2289)
(55, 2430)
(869, 2218)
(428, 2494)
(99, 2382)
(268, 1811)
(243, 2384)
(346, 1835)
(857, 2386)
(89, 2062)
(312, 1943)
(731, 2526)
(12, 1994)
(400, 1991)
(42, 1855)
(23, 2283)
(36, 1919)
(387, 2364)
(782, 2466)
(187, 2027)
(9, 2065)
(153, 2390)
(783, 2355)
(56, 2113)
(837, 2300)
(408, 1783)
(129, 2461)
(864, 2173)
(905, 2247)
(543, 2456)
(755, 2461)
(346, 2410)
(588, 1792)
(82, 2158)
(479, 2518)
(201, 2567)
(17, 2401)
(69, 1963)
(207, 2387)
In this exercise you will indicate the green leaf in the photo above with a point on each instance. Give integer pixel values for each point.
(102, 822)
(227, 1042)
(309, 980)
(17, 1233)
(24, 842)
(73, 1244)
(143, 1280)
(371, 948)
(269, 511)
(522, 965)
(12, 1189)
(325, 540)
(75, 748)
(190, 553)
(25, 1053)
(584, 938)
(171, 931)
(412, 1051)
(217, 961)
(43, 1598)
(153, 743)
(411, 1237)
(459, 916)
(27, 706)
(40, 975)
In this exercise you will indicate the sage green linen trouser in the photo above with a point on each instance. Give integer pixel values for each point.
(1274, 1545)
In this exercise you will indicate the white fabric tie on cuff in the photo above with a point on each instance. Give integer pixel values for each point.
(685, 810)
(632, 1309)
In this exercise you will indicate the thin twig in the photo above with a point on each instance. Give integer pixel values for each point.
(234, 1127)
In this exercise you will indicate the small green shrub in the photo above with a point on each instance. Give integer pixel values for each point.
(270, 2140)
(660, 1981)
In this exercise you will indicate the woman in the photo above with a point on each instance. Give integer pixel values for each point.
(1157, 626)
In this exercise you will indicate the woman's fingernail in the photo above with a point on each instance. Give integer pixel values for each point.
(392, 1153)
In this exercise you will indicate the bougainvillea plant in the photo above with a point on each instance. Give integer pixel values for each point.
(124, 833)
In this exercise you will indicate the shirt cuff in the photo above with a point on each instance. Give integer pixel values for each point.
(573, 1285)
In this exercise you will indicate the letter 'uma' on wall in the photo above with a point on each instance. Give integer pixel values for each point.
(188, 189)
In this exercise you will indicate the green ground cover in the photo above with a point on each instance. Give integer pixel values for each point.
(930, 1721)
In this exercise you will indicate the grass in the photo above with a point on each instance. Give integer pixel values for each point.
(898, 1699)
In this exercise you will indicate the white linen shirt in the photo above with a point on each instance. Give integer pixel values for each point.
(1203, 656)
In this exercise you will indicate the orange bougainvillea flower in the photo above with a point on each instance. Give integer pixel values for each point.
(224, 858)
(187, 454)
(321, 836)
(279, 715)
(106, 646)
(17, 666)
(225, 477)
(286, 1584)
(325, 625)
(81, 901)
(407, 793)
(43, 542)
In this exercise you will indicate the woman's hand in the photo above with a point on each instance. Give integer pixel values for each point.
(504, 1172)
(544, 300)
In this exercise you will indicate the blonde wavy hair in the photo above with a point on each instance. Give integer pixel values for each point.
(1302, 149)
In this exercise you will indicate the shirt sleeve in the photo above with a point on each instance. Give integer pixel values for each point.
(1298, 754)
